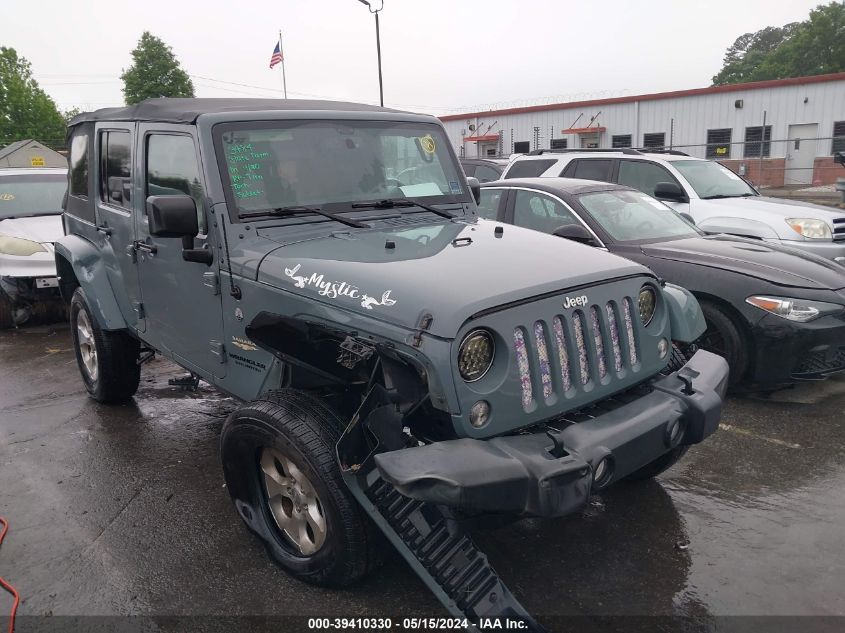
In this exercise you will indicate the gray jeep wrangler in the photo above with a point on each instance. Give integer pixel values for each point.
(405, 365)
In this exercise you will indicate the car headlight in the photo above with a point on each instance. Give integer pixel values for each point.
(475, 356)
(808, 227)
(647, 303)
(18, 246)
(795, 309)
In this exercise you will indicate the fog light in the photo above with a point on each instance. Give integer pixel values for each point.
(602, 472)
(479, 413)
(674, 432)
(663, 347)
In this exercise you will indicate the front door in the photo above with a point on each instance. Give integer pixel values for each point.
(801, 153)
(181, 300)
(116, 186)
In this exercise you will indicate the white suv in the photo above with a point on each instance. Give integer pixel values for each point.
(709, 194)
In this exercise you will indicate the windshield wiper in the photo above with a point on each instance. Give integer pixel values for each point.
(294, 209)
(392, 203)
(720, 196)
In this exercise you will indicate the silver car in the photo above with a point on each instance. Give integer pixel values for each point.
(711, 195)
(30, 222)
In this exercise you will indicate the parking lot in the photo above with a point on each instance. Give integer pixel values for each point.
(122, 511)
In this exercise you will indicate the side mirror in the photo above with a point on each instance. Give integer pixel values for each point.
(839, 157)
(475, 188)
(172, 216)
(176, 216)
(576, 233)
(669, 191)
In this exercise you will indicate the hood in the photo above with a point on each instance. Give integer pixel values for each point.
(778, 207)
(44, 229)
(450, 270)
(770, 262)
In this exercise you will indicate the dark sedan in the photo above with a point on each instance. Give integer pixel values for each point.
(776, 314)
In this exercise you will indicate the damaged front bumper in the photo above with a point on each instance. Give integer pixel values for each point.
(551, 472)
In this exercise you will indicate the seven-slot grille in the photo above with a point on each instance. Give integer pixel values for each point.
(839, 229)
(572, 349)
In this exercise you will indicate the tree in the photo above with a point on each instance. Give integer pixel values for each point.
(26, 111)
(155, 72)
(813, 47)
(67, 115)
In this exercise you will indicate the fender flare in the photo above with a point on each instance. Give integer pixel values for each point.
(81, 258)
(686, 318)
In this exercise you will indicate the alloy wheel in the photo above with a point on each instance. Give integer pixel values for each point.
(87, 346)
(293, 502)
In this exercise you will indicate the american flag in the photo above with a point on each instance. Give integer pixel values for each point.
(276, 58)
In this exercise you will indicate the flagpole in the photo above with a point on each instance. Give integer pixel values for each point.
(282, 51)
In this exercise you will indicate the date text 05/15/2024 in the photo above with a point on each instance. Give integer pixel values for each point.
(416, 624)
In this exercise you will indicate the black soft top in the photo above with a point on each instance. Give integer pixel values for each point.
(177, 110)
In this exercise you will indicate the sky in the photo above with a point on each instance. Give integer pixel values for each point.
(438, 56)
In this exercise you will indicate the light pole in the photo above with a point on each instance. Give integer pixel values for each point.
(378, 47)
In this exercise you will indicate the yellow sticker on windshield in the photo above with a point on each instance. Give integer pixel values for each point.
(6, 197)
(427, 144)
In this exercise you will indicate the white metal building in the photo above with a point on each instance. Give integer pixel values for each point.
(804, 125)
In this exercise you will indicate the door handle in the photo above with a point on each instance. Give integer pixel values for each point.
(143, 246)
(104, 230)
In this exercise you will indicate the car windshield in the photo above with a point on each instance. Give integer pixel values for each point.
(275, 165)
(632, 216)
(712, 180)
(31, 194)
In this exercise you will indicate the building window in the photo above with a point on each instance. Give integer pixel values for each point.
(522, 147)
(79, 166)
(621, 141)
(753, 146)
(719, 143)
(655, 140)
(838, 144)
(559, 143)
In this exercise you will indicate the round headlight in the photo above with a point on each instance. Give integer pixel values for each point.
(647, 303)
(475, 355)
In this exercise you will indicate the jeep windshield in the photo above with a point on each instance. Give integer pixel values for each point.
(306, 166)
(712, 181)
(632, 216)
(27, 195)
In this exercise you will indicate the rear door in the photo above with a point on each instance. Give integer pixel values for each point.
(181, 299)
(116, 186)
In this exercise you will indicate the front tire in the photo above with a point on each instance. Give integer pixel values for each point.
(278, 455)
(7, 319)
(108, 361)
(723, 337)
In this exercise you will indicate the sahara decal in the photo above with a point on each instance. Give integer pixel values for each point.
(244, 344)
(335, 289)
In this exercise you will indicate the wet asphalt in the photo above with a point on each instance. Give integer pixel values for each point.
(123, 511)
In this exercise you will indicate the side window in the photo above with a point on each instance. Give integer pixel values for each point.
(538, 211)
(115, 174)
(529, 168)
(643, 175)
(589, 169)
(489, 205)
(172, 169)
(79, 166)
(469, 169)
(486, 174)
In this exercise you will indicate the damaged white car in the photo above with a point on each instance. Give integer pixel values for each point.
(30, 222)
